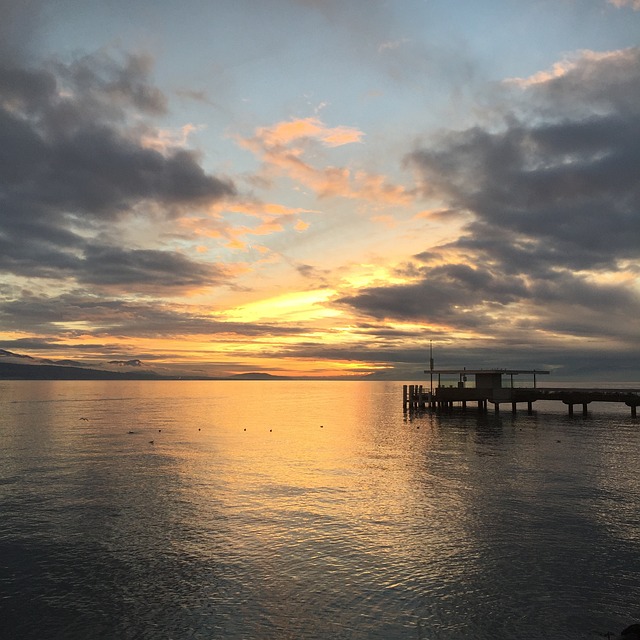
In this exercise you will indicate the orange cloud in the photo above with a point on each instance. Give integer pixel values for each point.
(634, 4)
(374, 187)
(283, 146)
(272, 216)
(284, 133)
(260, 209)
(203, 227)
(562, 68)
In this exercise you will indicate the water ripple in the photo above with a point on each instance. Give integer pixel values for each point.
(233, 525)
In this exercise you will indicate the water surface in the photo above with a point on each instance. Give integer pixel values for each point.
(275, 509)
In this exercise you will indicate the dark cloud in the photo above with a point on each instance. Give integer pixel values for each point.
(310, 272)
(564, 360)
(560, 181)
(38, 344)
(447, 294)
(554, 199)
(570, 188)
(591, 84)
(113, 316)
(109, 85)
(119, 267)
(73, 163)
(98, 173)
(410, 359)
(20, 24)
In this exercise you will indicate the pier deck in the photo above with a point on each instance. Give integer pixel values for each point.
(447, 397)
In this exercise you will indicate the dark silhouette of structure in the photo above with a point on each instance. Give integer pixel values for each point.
(496, 386)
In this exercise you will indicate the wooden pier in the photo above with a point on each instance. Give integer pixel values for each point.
(489, 389)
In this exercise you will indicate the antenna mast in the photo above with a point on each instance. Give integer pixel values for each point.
(431, 364)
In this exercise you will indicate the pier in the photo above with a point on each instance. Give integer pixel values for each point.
(496, 387)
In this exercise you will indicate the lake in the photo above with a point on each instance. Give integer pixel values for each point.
(282, 509)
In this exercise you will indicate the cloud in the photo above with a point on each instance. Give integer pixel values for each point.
(123, 269)
(581, 86)
(20, 25)
(283, 146)
(264, 218)
(75, 164)
(552, 200)
(112, 316)
(453, 294)
(561, 184)
(634, 4)
(284, 133)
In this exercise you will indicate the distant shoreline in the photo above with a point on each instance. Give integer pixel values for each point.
(16, 371)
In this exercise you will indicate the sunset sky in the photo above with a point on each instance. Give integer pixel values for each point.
(322, 187)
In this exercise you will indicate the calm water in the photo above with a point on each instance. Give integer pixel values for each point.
(303, 510)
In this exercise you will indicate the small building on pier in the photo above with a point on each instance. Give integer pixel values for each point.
(487, 379)
(482, 386)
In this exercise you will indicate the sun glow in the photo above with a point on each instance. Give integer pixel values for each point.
(367, 275)
(300, 305)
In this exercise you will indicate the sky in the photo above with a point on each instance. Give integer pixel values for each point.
(322, 187)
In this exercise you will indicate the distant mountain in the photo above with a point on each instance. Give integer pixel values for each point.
(17, 366)
(15, 371)
(66, 363)
(257, 376)
(10, 354)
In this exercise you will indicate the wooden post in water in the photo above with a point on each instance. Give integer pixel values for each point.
(405, 397)
(584, 408)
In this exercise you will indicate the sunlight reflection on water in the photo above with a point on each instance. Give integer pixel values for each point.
(301, 510)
